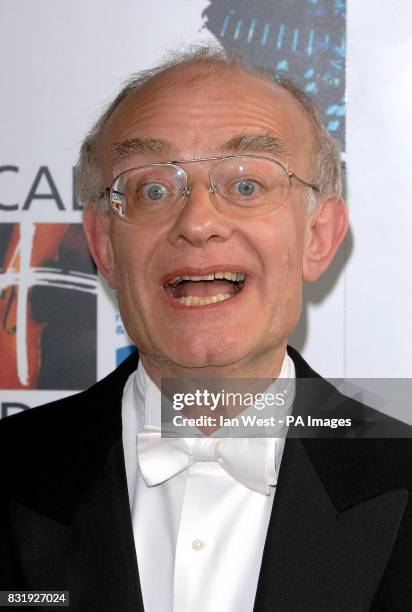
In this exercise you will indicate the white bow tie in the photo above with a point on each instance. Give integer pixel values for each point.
(250, 461)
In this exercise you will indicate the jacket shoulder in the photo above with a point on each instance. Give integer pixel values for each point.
(106, 390)
(65, 429)
(377, 449)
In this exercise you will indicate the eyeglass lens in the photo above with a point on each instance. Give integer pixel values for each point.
(242, 186)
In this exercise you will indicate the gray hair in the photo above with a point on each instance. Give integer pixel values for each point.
(325, 154)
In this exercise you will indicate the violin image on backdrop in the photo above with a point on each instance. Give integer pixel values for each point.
(46, 276)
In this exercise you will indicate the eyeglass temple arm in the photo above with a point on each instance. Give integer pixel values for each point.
(105, 192)
(312, 185)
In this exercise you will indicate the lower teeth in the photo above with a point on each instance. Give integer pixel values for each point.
(194, 300)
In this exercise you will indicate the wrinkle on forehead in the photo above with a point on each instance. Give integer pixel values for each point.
(197, 111)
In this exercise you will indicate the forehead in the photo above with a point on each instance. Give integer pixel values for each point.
(195, 110)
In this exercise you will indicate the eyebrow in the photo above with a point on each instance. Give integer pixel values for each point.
(142, 145)
(245, 142)
(239, 143)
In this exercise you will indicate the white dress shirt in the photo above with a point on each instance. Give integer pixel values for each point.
(200, 535)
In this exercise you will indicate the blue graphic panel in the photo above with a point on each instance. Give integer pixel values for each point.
(304, 39)
(123, 352)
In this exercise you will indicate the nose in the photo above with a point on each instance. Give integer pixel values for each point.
(199, 221)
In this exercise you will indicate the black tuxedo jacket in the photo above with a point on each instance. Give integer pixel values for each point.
(339, 537)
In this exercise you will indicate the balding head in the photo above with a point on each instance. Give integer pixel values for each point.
(187, 69)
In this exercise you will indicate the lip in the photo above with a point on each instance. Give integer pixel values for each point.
(213, 306)
(203, 272)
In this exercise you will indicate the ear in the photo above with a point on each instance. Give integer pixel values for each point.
(326, 228)
(96, 225)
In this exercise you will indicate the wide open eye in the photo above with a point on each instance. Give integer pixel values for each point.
(244, 191)
(150, 187)
(148, 194)
(250, 182)
(153, 191)
(246, 187)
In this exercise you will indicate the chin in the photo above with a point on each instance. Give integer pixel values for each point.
(203, 355)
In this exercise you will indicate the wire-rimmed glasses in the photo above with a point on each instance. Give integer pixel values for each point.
(241, 185)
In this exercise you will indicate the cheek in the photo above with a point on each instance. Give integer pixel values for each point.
(281, 246)
(132, 250)
(285, 282)
(132, 294)
(281, 254)
(131, 256)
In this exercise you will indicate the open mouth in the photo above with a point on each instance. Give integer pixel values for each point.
(208, 289)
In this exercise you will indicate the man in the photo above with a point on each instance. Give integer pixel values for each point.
(211, 191)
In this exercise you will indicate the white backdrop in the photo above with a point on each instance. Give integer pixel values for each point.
(61, 62)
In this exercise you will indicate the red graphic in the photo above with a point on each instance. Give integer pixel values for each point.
(38, 256)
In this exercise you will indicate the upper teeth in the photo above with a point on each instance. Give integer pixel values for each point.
(231, 276)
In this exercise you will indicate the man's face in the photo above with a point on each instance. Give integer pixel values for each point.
(196, 115)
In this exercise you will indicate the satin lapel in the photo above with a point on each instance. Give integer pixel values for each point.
(332, 514)
(315, 557)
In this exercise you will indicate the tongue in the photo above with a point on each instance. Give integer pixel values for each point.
(204, 288)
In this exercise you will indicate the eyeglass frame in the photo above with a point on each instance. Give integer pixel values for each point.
(212, 186)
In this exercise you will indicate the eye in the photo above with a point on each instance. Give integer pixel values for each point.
(154, 191)
(246, 187)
